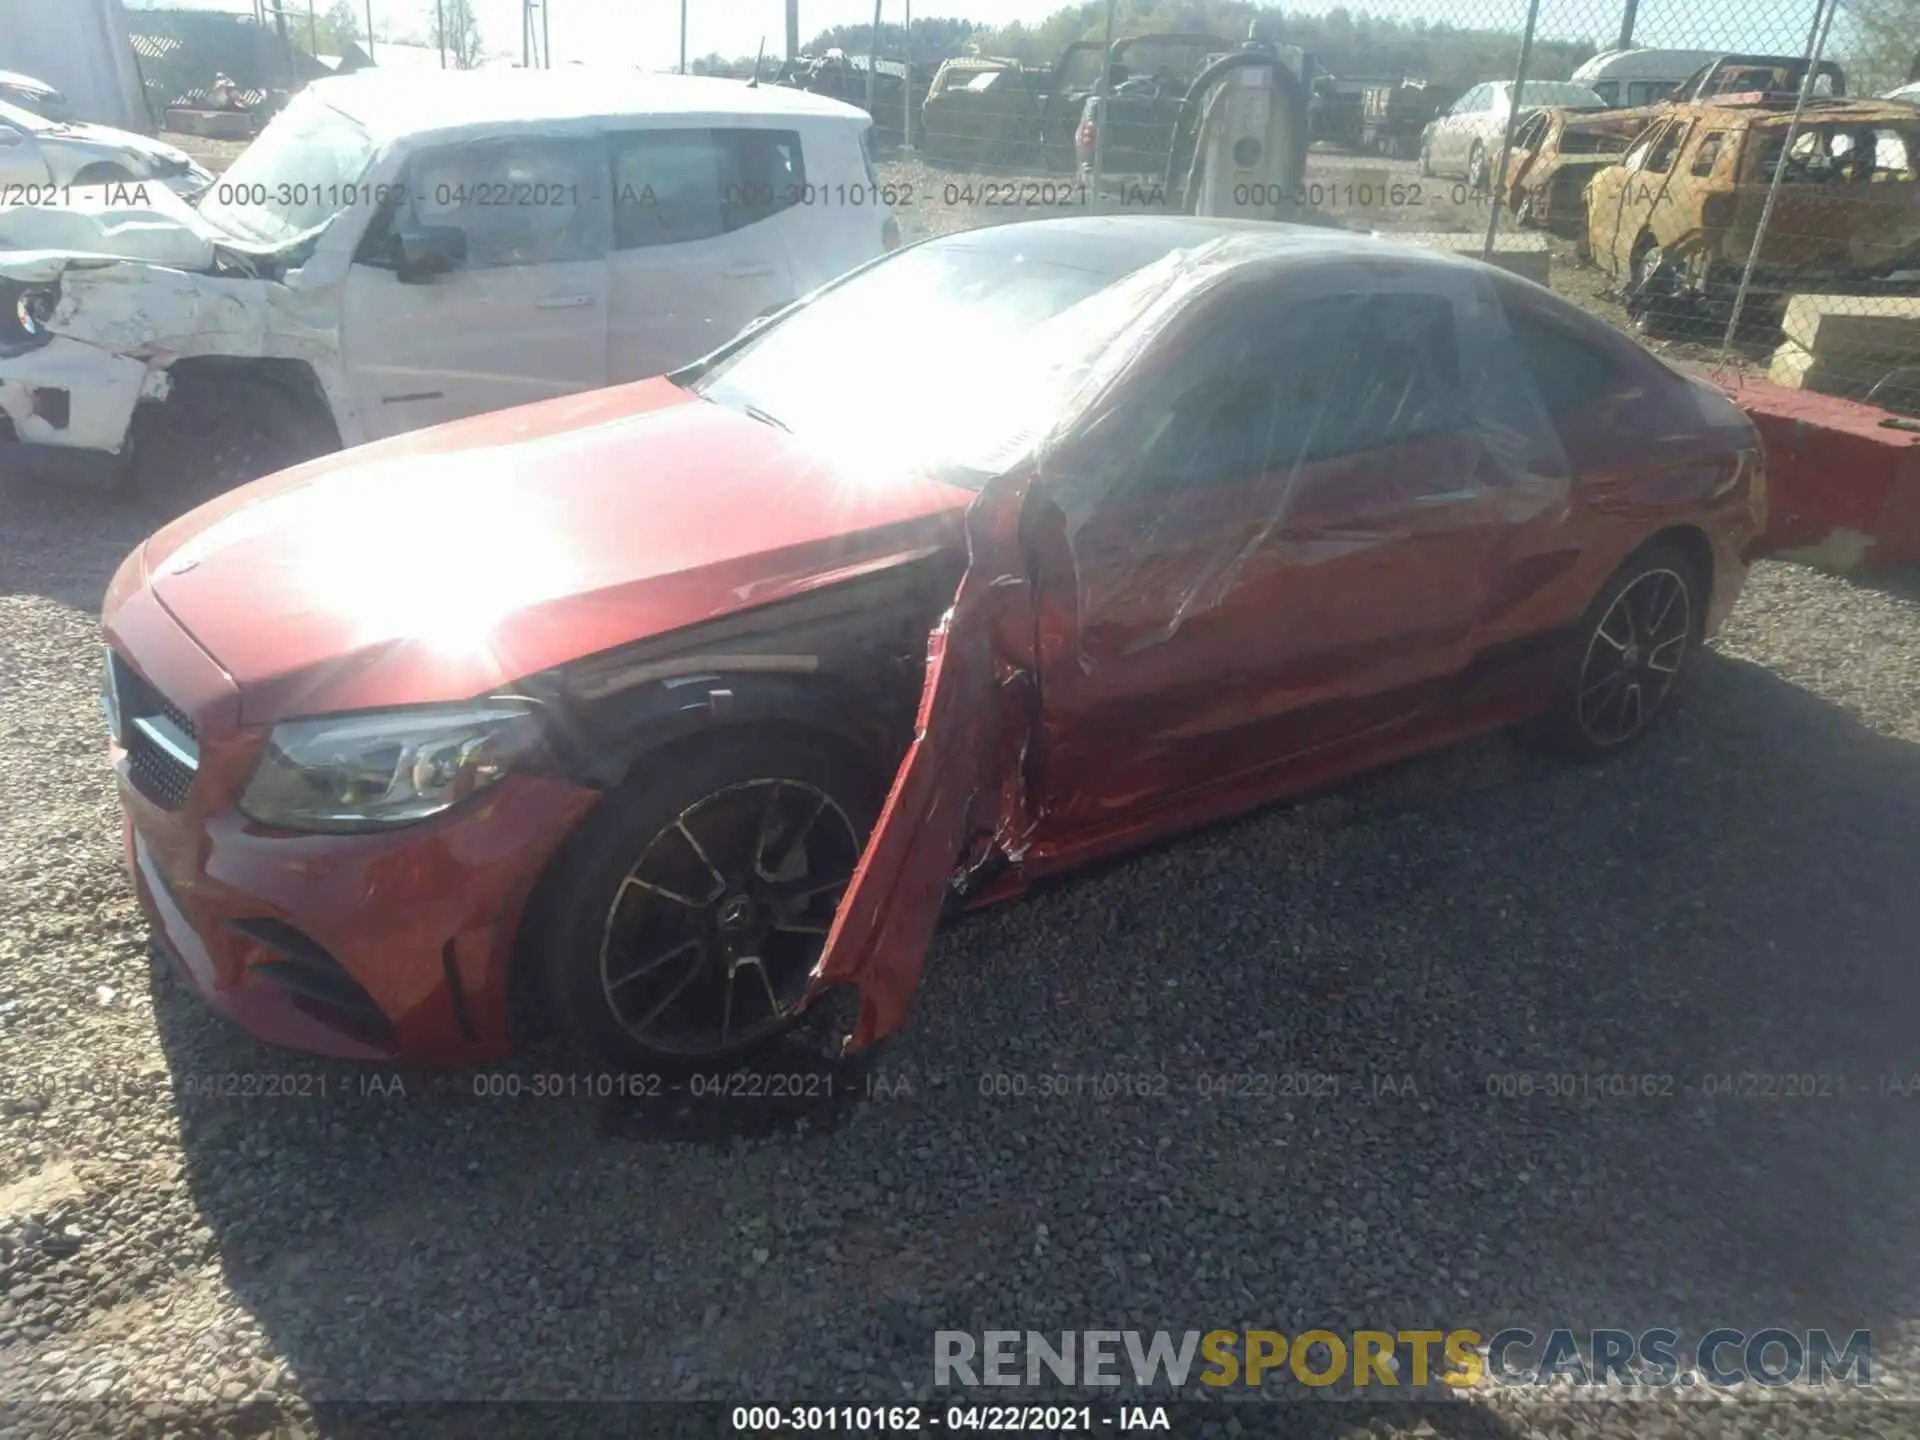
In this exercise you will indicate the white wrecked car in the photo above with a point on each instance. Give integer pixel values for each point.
(391, 254)
(40, 157)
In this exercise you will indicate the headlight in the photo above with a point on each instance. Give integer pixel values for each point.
(372, 771)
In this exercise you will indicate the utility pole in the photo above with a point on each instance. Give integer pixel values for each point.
(369, 29)
(683, 37)
(906, 87)
(313, 32)
(793, 29)
(440, 15)
(873, 54)
(1626, 25)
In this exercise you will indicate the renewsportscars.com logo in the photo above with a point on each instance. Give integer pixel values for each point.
(1463, 1359)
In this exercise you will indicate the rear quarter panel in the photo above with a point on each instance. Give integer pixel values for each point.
(841, 220)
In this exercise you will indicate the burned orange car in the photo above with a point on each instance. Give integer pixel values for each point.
(1674, 221)
(1556, 152)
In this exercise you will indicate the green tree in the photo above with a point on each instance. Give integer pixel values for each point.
(460, 35)
(330, 33)
(1882, 43)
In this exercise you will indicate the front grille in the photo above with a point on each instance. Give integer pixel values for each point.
(163, 753)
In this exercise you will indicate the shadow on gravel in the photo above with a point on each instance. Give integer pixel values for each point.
(65, 541)
(1372, 1048)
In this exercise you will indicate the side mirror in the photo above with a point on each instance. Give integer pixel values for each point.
(431, 250)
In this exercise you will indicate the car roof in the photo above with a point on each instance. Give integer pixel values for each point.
(437, 101)
(1119, 244)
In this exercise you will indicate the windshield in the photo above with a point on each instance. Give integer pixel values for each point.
(947, 358)
(300, 173)
(1558, 92)
(26, 120)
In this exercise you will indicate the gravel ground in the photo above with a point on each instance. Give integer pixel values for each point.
(1737, 896)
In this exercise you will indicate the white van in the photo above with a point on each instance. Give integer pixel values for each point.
(398, 250)
(1630, 78)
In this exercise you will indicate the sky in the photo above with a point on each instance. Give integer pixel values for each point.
(647, 32)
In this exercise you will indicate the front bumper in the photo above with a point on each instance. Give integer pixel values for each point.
(393, 947)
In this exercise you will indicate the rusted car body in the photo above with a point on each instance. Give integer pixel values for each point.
(978, 107)
(1556, 152)
(1674, 221)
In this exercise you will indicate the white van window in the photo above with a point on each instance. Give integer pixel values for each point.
(671, 187)
(520, 202)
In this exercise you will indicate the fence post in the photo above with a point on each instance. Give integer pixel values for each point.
(1105, 88)
(1816, 47)
(906, 87)
(1496, 181)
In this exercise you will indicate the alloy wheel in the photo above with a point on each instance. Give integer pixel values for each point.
(1633, 657)
(710, 938)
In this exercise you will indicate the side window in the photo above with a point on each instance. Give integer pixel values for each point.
(1529, 135)
(1644, 92)
(1637, 156)
(1609, 91)
(1665, 147)
(673, 187)
(1474, 99)
(519, 202)
(770, 175)
(668, 187)
(1567, 372)
(1708, 155)
(1335, 376)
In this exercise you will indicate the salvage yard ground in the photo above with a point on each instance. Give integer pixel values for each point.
(186, 1216)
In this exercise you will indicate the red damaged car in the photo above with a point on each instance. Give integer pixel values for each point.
(665, 708)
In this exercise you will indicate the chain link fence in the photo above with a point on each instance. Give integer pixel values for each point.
(1734, 180)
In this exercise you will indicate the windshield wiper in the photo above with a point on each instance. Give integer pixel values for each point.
(756, 413)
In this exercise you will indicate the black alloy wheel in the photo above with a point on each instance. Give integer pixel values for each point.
(708, 943)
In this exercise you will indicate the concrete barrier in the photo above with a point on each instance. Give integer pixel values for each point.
(1843, 478)
(1847, 344)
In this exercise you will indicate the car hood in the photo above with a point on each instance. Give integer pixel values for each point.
(446, 563)
(144, 221)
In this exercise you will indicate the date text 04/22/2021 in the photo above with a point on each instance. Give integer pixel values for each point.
(906, 1419)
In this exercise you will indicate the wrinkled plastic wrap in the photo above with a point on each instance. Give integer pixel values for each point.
(1285, 406)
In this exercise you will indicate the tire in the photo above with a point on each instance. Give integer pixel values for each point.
(1653, 307)
(214, 433)
(1477, 167)
(1630, 631)
(617, 906)
(1426, 158)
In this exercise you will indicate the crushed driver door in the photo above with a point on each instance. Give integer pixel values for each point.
(959, 794)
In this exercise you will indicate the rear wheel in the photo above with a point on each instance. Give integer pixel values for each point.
(1426, 157)
(688, 911)
(1477, 166)
(1632, 650)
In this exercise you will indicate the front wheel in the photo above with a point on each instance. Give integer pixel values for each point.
(687, 912)
(1426, 157)
(1477, 178)
(1631, 651)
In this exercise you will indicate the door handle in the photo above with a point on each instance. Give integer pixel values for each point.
(746, 272)
(564, 302)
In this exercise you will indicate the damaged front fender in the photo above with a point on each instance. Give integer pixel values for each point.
(117, 327)
(961, 779)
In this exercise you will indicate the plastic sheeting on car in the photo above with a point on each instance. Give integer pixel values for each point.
(1284, 404)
